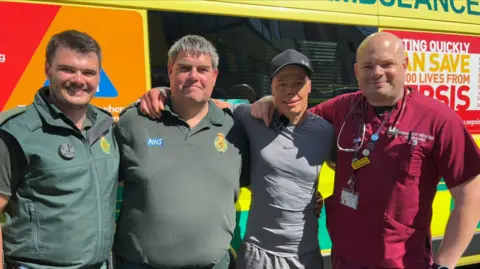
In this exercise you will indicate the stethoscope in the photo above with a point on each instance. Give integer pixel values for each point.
(392, 130)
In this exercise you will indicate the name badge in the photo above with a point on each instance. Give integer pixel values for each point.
(360, 163)
(349, 199)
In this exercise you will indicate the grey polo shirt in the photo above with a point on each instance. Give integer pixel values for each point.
(286, 162)
(181, 185)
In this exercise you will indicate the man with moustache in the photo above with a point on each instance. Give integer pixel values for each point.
(403, 142)
(181, 172)
(287, 157)
(59, 166)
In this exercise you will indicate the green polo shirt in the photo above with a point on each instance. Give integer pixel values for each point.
(181, 185)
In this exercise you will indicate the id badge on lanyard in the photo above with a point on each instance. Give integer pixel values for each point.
(349, 196)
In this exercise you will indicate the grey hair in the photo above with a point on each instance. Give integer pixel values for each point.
(196, 45)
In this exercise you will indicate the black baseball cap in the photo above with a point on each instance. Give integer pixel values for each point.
(290, 57)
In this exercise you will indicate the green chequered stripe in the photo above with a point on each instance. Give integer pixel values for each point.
(443, 187)
(242, 217)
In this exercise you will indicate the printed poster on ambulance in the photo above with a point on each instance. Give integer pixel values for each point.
(446, 67)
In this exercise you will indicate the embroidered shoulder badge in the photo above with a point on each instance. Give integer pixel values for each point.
(220, 143)
(105, 145)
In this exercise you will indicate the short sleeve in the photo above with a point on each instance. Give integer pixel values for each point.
(333, 152)
(12, 163)
(244, 147)
(241, 112)
(456, 154)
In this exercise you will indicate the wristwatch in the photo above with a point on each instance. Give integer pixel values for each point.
(437, 266)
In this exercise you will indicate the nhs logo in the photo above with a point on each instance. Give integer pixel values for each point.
(155, 142)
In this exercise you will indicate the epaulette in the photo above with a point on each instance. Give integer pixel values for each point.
(133, 105)
(104, 111)
(11, 113)
(228, 111)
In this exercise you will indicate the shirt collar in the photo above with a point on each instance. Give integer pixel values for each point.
(54, 116)
(215, 115)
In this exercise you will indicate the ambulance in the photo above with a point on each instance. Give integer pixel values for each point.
(442, 39)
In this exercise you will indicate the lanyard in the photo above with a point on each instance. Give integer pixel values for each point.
(373, 138)
(370, 146)
(356, 163)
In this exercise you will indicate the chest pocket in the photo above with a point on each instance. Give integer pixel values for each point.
(53, 153)
(411, 156)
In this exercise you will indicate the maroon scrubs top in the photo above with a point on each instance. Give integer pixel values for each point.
(391, 226)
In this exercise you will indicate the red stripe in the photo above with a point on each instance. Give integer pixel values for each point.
(436, 42)
(22, 27)
(471, 119)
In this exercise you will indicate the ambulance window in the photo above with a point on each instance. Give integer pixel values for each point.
(247, 45)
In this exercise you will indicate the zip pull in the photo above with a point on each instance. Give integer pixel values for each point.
(414, 144)
(31, 216)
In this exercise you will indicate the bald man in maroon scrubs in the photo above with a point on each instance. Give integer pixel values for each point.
(380, 212)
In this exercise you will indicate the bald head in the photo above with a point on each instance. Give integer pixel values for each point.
(381, 41)
(380, 68)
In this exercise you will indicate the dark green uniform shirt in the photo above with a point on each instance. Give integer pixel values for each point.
(181, 185)
(12, 159)
(62, 186)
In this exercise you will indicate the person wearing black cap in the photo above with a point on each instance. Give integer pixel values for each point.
(286, 159)
(290, 57)
(380, 212)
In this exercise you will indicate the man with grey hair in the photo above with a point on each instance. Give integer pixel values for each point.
(287, 157)
(182, 172)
